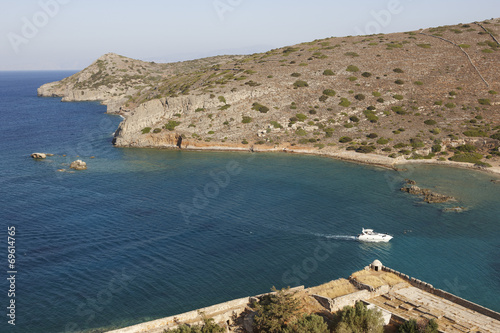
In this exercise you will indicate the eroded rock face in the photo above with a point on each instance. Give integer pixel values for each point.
(78, 165)
(429, 196)
(39, 156)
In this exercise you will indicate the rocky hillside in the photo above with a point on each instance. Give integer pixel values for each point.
(428, 94)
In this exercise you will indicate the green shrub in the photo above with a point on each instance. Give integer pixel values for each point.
(348, 125)
(275, 311)
(328, 72)
(366, 74)
(496, 136)
(259, 107)
(296, 74)
(399, 82)
(345, 139)
(300, 84)
(157, 130)
(359, 319)
(398, 70)
(398, 97)
(436, 148)
(380, 100)
(245, 142)
(359, 97)
(430, 122)
(199, 110)
(492, 92)
(452, 93)
(352, 68)
(418, 83)
(222, 99)
(376, 94)
(475, 133)
(352, 78)
(312, 111)
(308, 323)
(466, 157)
(329, 132)
(416, 143)
(146, 130)
(365, 149)
(411, 326)
(246, 120)
(344, 102)
(301, 116)
(329, 92)
(372, 135)
(351, 54)
(383, 141)
(370, 115)
(171, 125)
(450, 105)
(224, 107)
(300, 132)
(276, 124)
(484, 101)
(425, 46)
(466, 148)
(399, 110)
(438, 103)
(435, 131)
(252, 83)
(400, 145)
(354, 119)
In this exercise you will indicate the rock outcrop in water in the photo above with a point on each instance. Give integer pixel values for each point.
(78, 165)
(428, 195)
(39, 156)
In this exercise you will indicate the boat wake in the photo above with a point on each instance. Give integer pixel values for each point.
(339, 237)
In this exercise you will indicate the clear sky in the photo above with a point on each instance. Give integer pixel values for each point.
(70, 34)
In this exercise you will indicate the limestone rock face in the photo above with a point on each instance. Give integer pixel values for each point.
(78, 165)
(38, 156)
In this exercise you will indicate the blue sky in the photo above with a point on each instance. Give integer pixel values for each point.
(70, 34)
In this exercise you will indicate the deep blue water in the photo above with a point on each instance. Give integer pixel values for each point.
(144, 234)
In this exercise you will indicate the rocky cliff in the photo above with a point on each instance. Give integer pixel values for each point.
(419, 94)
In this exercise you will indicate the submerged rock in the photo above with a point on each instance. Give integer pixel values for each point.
(78, 165)
(455, 209)
(38, 156)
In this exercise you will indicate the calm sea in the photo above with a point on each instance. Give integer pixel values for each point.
(144, 234)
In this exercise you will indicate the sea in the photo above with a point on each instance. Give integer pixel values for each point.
(148, 233)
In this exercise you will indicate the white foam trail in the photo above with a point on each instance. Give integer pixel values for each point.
(341, 237)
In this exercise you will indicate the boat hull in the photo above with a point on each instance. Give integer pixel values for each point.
(374, 239)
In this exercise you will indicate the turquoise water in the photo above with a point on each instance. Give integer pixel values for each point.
(144, 234)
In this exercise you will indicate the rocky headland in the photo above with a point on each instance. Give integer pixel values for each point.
(428, 96)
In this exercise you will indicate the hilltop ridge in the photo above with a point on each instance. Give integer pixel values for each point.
(419, 95)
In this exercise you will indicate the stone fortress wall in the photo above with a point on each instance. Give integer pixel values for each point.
(227, 312)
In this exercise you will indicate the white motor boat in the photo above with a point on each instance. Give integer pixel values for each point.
(368, 235)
